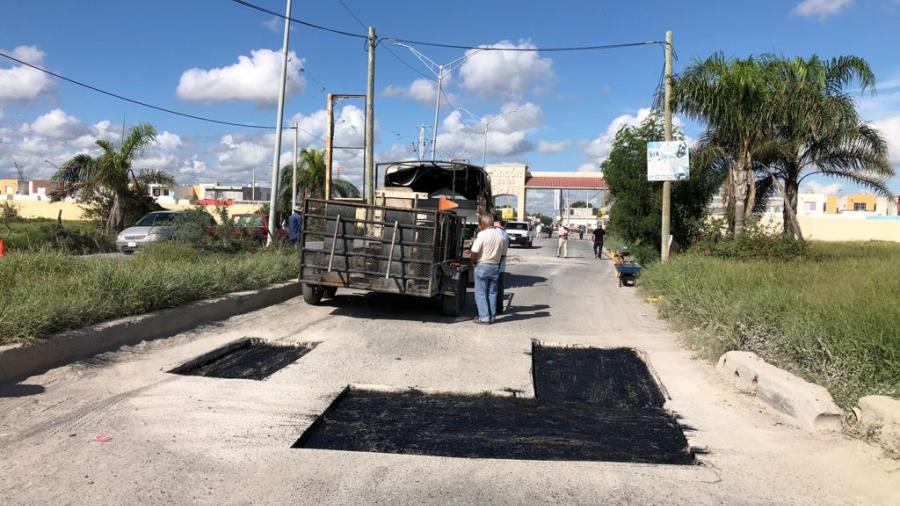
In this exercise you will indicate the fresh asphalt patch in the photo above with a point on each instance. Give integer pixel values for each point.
(248, 358)
(591, 404)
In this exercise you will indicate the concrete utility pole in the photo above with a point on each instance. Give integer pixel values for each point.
(294, 175)
(421, 142)
(253, 186)
(276, 162)
(370, 122)
(667, 125)
(329, 142)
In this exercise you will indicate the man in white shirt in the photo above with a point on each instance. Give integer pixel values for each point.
(488, 252)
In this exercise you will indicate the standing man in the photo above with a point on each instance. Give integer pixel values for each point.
(499, 226)
(295, 223)
(488, 251)
(563, 247)
(598, 241)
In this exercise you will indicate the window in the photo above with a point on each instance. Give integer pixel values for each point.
(165, 192)
(859, 206)
(156, 192)
(810, 206)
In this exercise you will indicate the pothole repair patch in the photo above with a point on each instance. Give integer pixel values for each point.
(248, 358)
(591, 404)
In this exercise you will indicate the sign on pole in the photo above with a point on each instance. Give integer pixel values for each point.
(557, 200)
(668, 161)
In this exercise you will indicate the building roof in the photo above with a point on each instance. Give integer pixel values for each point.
(587, 182)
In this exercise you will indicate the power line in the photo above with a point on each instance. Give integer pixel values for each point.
(391, 51)
(595, 47)
(145, 104)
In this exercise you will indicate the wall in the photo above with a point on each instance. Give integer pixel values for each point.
(838, 227)
(72, 211)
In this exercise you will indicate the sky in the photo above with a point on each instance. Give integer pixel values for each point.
(554, 111)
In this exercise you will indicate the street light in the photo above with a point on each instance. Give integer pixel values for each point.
(439, 74)
(486, 125)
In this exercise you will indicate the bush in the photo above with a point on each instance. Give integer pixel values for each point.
(75, 240)
(757, 241)
(196, 227)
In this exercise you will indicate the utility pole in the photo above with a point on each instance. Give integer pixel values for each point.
(294, 174)
(484, 145)
(370, 122)
(329, 142)
(437, 112)
(421, 142)
(253, 186)
(667, 125)
(276, 162)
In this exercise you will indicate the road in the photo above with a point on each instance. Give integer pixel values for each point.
(180, 439)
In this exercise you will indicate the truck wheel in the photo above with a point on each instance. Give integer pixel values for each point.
(312, 294)
(530, 242)
(500, 299)
(450, 305)
(330, 291)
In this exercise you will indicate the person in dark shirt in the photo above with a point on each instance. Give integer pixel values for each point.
(598, 241)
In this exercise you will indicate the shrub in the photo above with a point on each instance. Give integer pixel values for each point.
(66, 239)
(757, 241)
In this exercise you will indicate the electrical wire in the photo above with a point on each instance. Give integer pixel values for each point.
(391, 51)
(594, 47)
(148, 105)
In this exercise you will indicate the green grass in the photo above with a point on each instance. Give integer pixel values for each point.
(48, 292)
(76, 237)
(832, 318)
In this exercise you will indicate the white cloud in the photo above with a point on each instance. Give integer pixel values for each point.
(56, 124)
(421, 90)
(827, 189)
(588, 167)
(820, 8)
(890, 129)
(20, 83)
(553, 146)
(506, 73)
(600, 147)
(396, 153)
(253, 78)
(507, 134)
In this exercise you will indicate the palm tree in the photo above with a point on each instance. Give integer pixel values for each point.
(818, 130)
(310, 180)
(112, 173)
(732, 97)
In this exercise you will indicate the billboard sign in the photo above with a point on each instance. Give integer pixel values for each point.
(668, 161)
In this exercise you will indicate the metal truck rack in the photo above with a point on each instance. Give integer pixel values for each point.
(410, 251)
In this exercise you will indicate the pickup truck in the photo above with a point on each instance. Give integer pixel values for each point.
(520, 232)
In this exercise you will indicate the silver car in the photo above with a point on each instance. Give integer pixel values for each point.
(151, 228)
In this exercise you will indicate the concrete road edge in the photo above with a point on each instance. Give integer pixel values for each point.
(21, 360)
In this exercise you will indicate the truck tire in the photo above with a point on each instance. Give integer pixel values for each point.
(530, 242)
(312, 294)
(329, 291)
(500, 297)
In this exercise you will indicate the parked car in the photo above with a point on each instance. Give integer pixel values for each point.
(255, 226)
(153, 227)
(520, 232)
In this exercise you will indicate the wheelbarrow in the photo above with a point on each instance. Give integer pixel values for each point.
(628, 272)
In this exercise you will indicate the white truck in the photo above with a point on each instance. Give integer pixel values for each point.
(520, 232)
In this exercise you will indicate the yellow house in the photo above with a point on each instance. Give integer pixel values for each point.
(861, 202)
(9, 186)
(831, 204)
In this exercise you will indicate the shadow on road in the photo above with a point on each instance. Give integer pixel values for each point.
(19, 390)
(511, 280)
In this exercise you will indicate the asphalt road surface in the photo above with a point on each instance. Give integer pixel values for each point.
(121, 429)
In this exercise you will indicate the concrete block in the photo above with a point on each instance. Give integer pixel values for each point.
(22, 360)
(804, 404)
(882, 413)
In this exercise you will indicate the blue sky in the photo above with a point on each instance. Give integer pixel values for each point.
(560, 108)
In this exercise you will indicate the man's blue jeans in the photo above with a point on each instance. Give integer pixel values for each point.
(486, 281)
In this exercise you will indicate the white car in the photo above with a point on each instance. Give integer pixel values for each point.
(520, 232)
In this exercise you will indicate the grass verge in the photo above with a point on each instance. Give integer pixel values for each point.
(75, 237)
(49, 292)
(832, 317)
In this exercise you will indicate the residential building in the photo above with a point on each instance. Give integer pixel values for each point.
(8, 188)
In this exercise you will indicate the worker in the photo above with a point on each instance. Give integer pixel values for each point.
(563, 246)
(295, 224)
(488, 252)
(598, 241)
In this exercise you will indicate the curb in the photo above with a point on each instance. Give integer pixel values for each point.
(21, 360)
(881, 414)
(804, 404)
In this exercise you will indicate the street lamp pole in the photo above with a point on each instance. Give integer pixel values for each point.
(438, 71)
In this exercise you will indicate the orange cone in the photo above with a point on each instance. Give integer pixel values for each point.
(2, 248)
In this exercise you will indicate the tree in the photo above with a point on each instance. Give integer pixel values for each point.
(635, 214)
(310, 181)
(733, 97)
(818, 130)
(109, 180)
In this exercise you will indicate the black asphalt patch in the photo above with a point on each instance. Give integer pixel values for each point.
(248, 358)
(591, 405)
